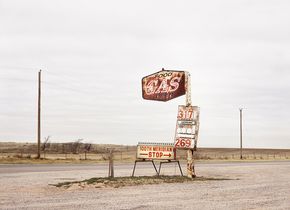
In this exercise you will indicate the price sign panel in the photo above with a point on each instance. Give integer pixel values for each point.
(187, 126)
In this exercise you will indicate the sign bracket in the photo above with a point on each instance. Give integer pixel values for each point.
(170, 161)
(143, 160)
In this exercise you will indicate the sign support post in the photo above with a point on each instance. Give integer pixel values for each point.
(190, 161)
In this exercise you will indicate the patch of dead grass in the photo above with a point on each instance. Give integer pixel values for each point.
(103, 182)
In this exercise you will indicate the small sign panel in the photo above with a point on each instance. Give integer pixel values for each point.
(186, 127)
(163, 85)
(156, 151)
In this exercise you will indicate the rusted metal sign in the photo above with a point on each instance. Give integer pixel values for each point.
(163, 85)
(156, 151)
(187, 127)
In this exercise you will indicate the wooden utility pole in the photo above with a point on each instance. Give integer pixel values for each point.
(241, 133)
(38, 115)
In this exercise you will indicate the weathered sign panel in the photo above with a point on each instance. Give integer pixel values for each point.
(187, 126)
(156, 151)
(163, 85)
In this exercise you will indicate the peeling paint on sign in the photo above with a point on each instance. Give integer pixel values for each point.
(163, 85)
(156, 151)
(187, 127)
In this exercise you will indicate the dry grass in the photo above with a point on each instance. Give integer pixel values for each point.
(11, 152)
(100, 182)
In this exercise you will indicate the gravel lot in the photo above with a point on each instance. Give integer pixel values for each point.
(255, 185)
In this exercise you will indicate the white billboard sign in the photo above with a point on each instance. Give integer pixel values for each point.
(156, 151)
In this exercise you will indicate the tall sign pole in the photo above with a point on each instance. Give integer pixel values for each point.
(190, 161)
(187, 89)
(38, 115)
(241, 133)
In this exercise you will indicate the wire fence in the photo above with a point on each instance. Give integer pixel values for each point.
(83, 151)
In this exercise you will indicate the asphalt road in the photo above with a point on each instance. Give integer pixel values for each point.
(25, 168)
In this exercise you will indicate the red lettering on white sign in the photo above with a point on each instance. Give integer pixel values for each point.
(160, 152)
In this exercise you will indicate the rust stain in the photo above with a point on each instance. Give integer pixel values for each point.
(187, 127)
(163, 85)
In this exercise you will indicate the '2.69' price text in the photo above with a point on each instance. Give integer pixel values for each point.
(183, 143)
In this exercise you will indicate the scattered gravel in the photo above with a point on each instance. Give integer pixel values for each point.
(263, 185)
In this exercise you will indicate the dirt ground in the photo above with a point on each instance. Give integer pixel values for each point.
(253, 185)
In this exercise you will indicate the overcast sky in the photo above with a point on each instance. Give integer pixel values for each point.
(93, 55)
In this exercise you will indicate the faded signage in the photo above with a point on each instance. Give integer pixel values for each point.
(187, 126)
(156, 151)
(163, 85)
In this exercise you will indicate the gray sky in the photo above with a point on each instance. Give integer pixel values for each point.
(94, 53)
